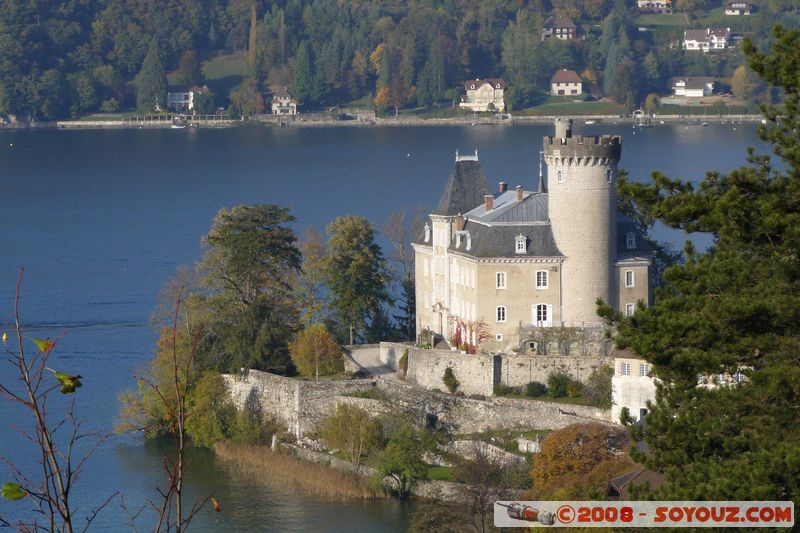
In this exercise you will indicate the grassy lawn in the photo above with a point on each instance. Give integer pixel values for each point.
(104, 117)
(555, 105)
(362, 103)
(440, 473)
(224, 72)
(654, 19)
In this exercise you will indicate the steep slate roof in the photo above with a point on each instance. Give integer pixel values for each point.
(695, 35)
(500, 240)
(532, 209)
(494, 82)
(626, 225)
(464, 190)
(566, 76)
(559, 22)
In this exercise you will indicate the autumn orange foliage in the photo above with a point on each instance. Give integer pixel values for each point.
(578, 460)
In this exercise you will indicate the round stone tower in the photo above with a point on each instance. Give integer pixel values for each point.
(582, 203)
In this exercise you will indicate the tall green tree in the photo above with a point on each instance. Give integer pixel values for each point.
(252, 251)
(151, 82)
(733, 310)
(356, 271)
(306, 86)
(248, 309)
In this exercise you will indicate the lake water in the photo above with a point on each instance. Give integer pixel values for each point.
(101, 219)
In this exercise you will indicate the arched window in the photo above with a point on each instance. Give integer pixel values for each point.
(427, 232)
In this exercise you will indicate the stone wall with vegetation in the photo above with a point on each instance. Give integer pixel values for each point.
(478, 374)
(298, 404)
(473, 415)
(518, 371)
(302, 405)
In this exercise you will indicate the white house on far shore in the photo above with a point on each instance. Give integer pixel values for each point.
(283, 103)
(706, 39)
(693, 86)
(180, 98)
(484, 95)
(566, 83)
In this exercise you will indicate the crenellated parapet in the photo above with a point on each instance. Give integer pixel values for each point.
(582, 151)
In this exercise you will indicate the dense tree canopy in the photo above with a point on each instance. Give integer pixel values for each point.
(68, 58)
(734, 309)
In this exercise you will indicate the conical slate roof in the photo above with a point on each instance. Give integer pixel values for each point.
(465, 189)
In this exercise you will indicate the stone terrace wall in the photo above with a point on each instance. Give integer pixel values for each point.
(297, 404)
(467, 415)
(302, 405)
(476, 373)
(517, 371)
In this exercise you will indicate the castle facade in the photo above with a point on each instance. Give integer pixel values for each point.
(520, 258)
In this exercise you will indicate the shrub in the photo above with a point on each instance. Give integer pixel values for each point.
(574, 389)
(426, 339)
(534, 389)
(450, 380)
(598, 387)
(402, 364)
(557, 384)
(353, 430)
(504, 390)
(373, 393)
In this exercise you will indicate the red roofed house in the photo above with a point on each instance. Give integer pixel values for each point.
(484, 93)
(566, 83)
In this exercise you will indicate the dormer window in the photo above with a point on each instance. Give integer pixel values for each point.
(498, 85)
(630, 240)
(458, 240)
(521, 244)
(427, 233)
(469, 242)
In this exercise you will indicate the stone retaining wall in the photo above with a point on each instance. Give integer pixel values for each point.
(478, 374)
(299, 405)
(302, 405)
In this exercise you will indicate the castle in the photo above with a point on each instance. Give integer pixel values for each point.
(519, 258)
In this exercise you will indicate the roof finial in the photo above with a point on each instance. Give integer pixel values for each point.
(456, 154)
(542, 188)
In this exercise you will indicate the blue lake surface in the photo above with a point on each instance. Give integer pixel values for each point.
(101, 220)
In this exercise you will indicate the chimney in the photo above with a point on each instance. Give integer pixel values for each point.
(489, 202)
(503, 186)
(519, 193)
(460, 222)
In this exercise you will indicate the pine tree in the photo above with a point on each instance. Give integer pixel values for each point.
(732, 310)
(151, 83)
(305, 85)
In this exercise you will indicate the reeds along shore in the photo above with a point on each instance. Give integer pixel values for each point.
(282, 471)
